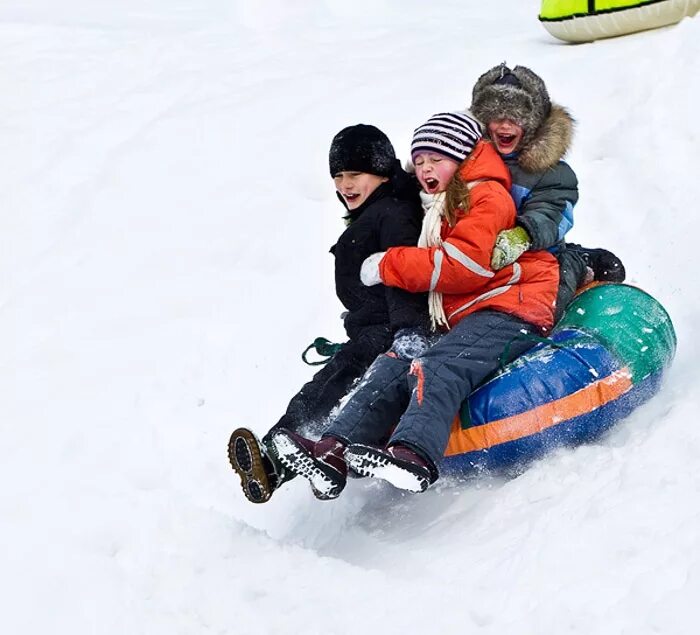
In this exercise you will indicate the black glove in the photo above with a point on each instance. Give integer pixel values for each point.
(410, 343)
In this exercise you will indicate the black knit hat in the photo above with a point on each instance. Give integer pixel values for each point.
(362, 148)
(517, 94)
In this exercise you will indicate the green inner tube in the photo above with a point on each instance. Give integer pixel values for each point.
(630, 322)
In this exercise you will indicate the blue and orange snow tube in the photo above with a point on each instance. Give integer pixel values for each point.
(605, 357)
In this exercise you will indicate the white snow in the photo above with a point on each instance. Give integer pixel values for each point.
(165, 224)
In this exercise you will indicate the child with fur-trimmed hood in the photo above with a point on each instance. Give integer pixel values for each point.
(532, 135)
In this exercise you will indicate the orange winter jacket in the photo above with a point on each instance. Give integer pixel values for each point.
(460, 268)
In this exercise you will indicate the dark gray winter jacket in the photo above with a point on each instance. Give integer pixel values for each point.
(545, 188)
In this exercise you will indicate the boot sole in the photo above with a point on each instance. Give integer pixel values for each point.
(246, 459)
(300, 461)
(369, 461)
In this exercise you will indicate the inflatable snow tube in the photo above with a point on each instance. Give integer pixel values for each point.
(605, 357)
(588, 20)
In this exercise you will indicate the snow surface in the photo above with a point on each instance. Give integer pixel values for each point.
(165, 226)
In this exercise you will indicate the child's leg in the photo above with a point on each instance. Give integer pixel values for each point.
(256, 462)
(368, 415)
(443, 377)
(572, 272)
(374, 406)
(314, 402)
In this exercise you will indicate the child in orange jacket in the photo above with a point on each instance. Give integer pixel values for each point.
(477, 314)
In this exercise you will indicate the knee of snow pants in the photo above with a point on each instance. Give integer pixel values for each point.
(374, 406)
(309, 409)
(442, 378)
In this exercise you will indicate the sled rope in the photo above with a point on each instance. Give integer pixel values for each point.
(323, 348)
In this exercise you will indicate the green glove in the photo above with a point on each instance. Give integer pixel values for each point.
(510, 245)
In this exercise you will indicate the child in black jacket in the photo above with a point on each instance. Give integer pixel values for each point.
(383, 210)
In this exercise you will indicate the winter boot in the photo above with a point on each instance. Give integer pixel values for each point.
(398, 464)
(260, 472)
(322, 463)
(606, 266)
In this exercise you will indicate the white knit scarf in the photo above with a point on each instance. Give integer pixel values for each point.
(434, 208)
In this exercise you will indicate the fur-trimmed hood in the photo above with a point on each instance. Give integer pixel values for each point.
(519, 94)
(550, 143)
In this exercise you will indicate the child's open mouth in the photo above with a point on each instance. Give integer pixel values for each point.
(505, 139)
(431, 185)
(350, 198)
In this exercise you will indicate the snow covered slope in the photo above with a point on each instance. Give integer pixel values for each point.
(165, 221)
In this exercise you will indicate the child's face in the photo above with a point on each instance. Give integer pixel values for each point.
(434, 171)
(355, 187)
(506, 135)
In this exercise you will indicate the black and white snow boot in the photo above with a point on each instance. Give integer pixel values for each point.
(606, 266)
(257, 467)
(320, 462)
(398, 464)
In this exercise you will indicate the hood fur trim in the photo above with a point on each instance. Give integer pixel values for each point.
(550, 143)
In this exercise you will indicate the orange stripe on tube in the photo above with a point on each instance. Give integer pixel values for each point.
(545, 416)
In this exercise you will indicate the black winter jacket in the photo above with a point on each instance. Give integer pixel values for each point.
(391, 216)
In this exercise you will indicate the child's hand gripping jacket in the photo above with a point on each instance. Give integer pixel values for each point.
(510, 245)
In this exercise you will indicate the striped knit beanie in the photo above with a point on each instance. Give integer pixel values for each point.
(451, 134)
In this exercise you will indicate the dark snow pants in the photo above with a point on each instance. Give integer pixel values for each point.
(422, 397)
(310, 407)
(572, 270)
